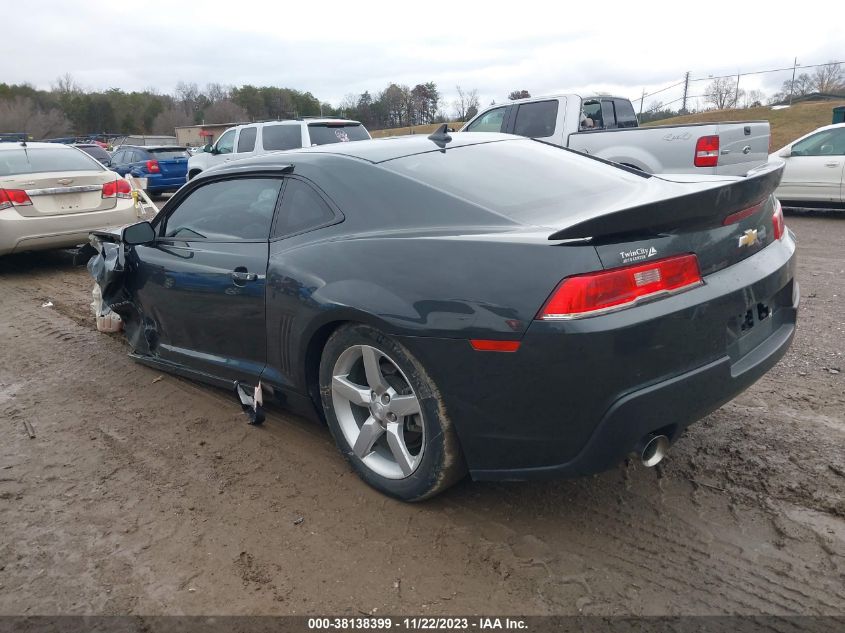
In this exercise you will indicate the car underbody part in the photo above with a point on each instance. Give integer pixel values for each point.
(252, 404)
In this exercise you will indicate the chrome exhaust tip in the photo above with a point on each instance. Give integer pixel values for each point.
(654, 448)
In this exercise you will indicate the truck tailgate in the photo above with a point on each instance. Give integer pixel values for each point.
(742, 145)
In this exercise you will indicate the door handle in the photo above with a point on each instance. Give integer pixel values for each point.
(242, 275)
(831, 164)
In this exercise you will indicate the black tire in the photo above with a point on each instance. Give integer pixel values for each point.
(441, 463)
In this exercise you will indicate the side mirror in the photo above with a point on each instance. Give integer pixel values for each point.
(141, 233)
(206, 148)
(213, 150)
(786, 152)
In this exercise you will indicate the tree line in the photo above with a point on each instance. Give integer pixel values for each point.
(67, 109)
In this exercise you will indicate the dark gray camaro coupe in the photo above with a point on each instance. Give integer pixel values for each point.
(477, 302)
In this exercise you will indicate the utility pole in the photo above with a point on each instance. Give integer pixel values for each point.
(736, 94)
(792, 83)
(686, 90)
(642, 100)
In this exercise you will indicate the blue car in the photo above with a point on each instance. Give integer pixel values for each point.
(165, 167)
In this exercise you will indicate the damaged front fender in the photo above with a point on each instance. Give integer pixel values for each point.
(109, 269)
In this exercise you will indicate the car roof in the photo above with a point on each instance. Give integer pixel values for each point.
(152, 148)
(28, 145)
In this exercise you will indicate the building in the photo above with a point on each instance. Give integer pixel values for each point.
(199, 135)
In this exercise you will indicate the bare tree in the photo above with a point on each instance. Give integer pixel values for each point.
(66, 85)
(21, 114)
(187, 95)
(215, 92)
(225, 112)
(519, 94)
(754, 98)
(466, 105)
(829, 78)
(167, 121)
(722, 93)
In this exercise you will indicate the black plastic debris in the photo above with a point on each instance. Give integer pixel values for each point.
(252, 404)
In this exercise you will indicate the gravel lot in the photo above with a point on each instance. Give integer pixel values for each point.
(149, 494)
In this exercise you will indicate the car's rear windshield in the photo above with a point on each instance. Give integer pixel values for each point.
(38, 160)
(325, 133)
(96, 151)
(169, 153)
(525, 180)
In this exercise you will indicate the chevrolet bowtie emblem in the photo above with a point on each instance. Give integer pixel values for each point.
(64, 181)
(749, 238)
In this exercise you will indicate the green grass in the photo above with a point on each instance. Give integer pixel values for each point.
(787, 124)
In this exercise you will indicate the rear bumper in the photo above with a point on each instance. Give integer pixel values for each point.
(577, 396)
(160, 183)
(19, 233)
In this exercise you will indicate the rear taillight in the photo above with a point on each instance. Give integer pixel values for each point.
(707, 151)
(778, 225)
(117, 189)
(595, 293)
(14, 198)
(152, 167)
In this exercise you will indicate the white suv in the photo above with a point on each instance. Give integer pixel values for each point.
(243, 141)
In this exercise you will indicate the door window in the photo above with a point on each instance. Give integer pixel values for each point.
(536, 120)
(302, 209)
(226, 143)
(592, 118)
(825, 143)
(246, 140)
(226, 211)
(489, 121)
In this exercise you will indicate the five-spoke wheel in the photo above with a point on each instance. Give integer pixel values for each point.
(386, 415)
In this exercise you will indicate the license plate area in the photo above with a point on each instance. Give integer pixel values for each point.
(68, 201)
(760, 319)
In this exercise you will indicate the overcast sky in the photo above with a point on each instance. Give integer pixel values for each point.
(335, 48)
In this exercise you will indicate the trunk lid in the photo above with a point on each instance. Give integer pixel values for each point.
(55, 193)
(721, 221)
(171, 163)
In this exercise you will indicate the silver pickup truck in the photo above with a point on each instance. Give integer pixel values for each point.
(607, 127)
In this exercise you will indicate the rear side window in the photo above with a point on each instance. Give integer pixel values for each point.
(625, 116)
(327, 133)
(246, 141)
(302, 209)
(169, 153)
(40, 160)
(226, 211)
(489, 121)
(281, 137)
(536, 120)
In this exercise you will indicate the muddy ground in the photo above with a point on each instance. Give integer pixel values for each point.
(148, 494)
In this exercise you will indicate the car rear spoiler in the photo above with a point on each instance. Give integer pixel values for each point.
(697, 209)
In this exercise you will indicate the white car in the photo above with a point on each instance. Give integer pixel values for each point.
(815, 168)
(243, 141)
(53, 195)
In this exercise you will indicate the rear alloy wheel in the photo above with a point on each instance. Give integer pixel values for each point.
(386, 416)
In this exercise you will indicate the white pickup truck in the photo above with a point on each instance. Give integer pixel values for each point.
(607, 127)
